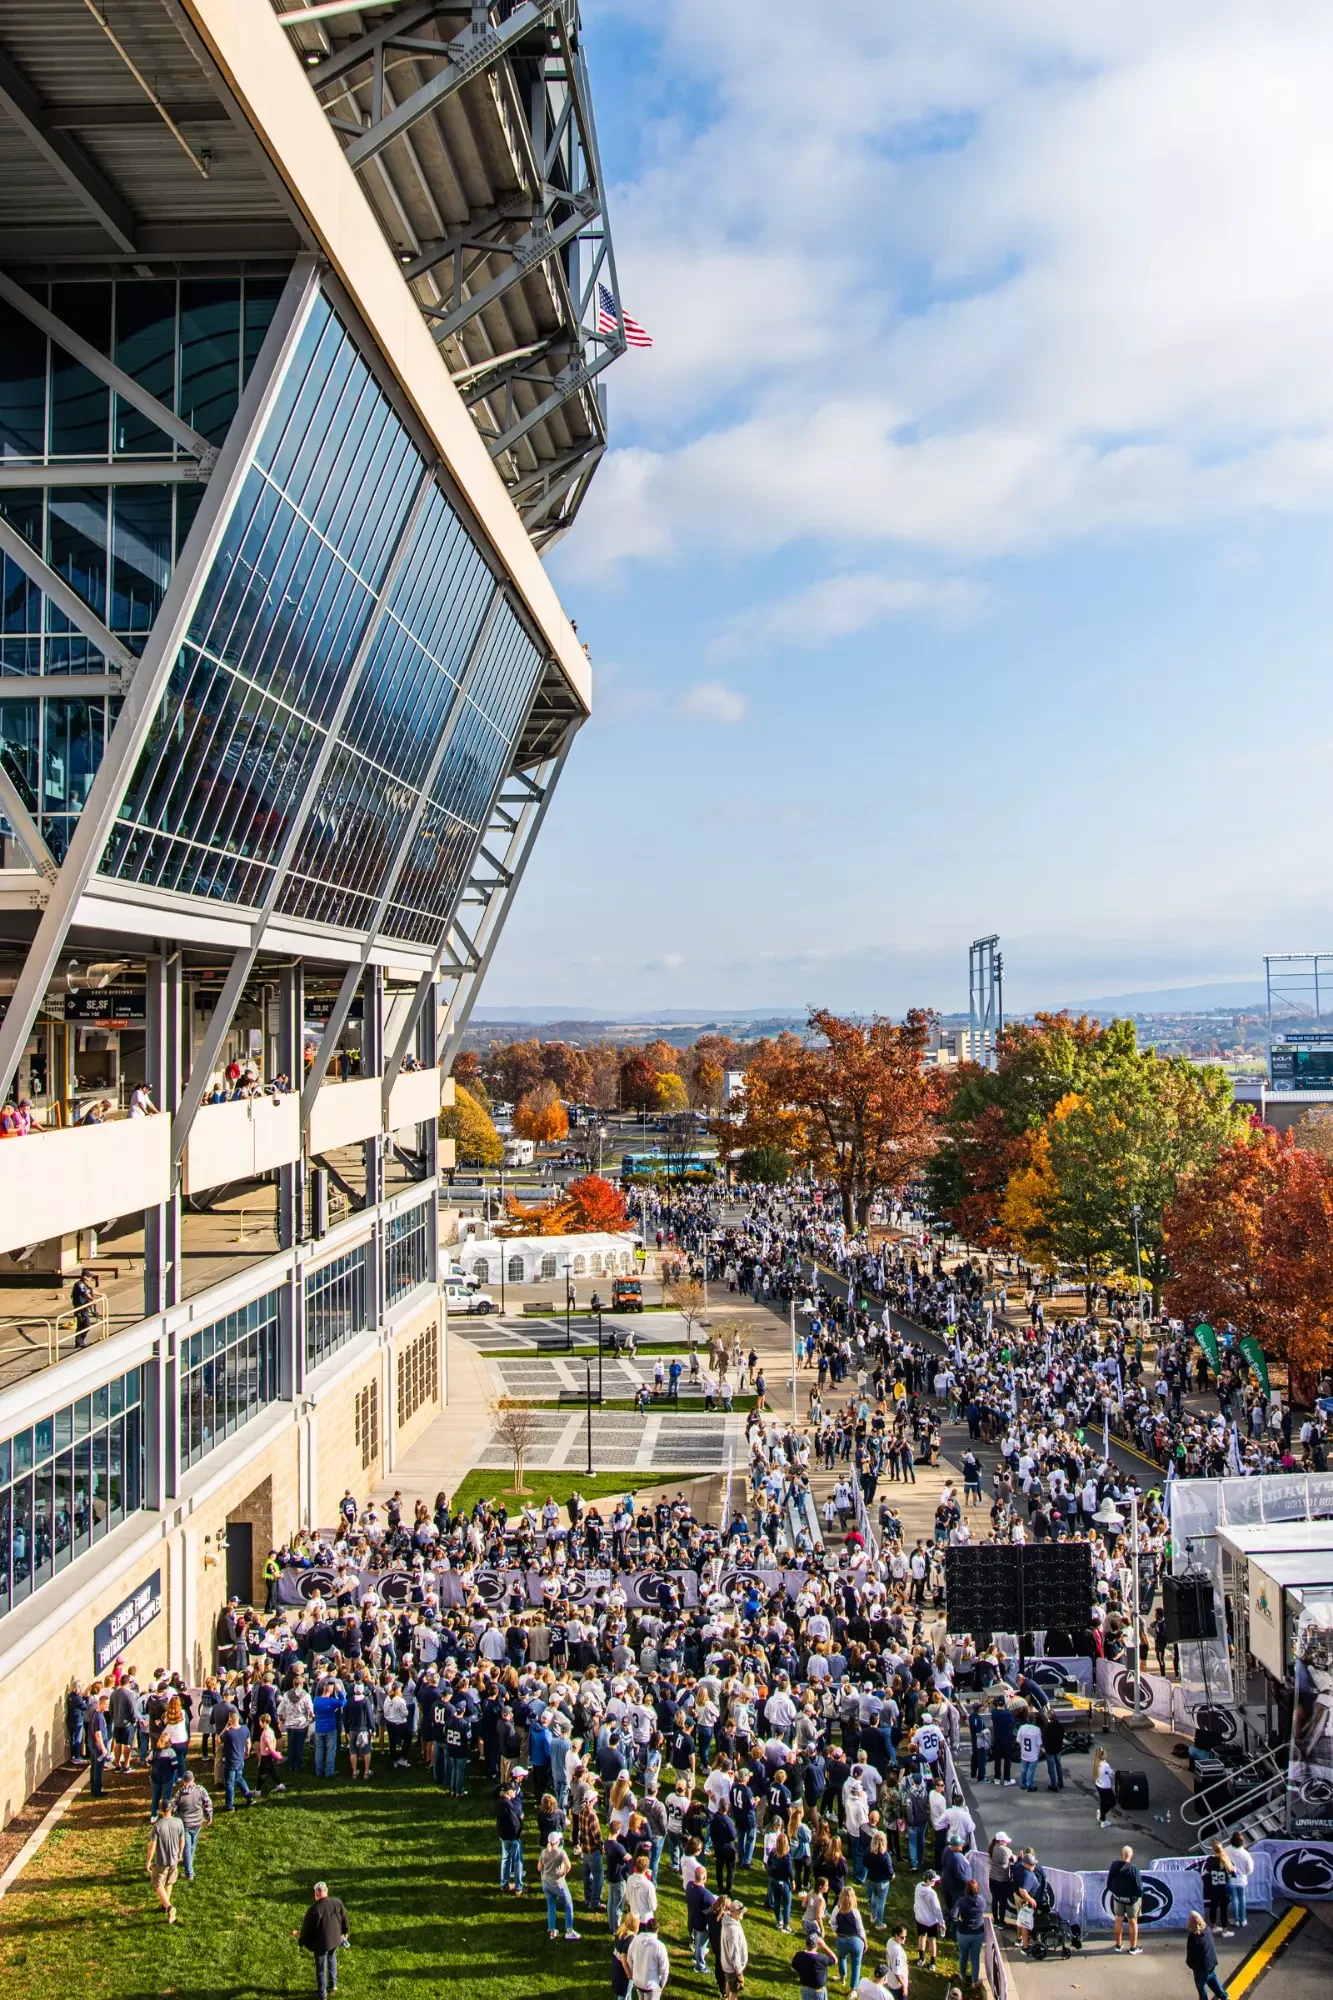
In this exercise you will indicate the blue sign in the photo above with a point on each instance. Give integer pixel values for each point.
(126, 1622)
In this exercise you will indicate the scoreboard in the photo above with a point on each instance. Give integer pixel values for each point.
(1302, 1064)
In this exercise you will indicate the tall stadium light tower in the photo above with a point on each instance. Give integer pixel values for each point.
(985, 999)
(1299, 1002)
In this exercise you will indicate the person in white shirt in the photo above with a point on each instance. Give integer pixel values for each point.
(717, 1787)
(1242, 1874)
(1029, 1754)
(640, 1894)
(929, 1914)
(896, 1975)
(649, 1965)
(870, 1989)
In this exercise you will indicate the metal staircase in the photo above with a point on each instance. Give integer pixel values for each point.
(1253, 1801)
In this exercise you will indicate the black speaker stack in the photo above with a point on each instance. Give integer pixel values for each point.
(1188, 1607)
(1006, 1588)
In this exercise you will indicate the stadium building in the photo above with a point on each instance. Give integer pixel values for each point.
(304, 312)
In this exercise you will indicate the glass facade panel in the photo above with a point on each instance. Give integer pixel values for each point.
(228, 1373)
(335, 1305)
(146, 343)
(210, 354)
(297, 595)
(65, 1482)
(114, 546)
(22, 386)
(80, 424)
(406, 1253)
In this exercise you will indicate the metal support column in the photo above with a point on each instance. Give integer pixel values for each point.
(291, 1179)
(372, 1062)
(163, 1073)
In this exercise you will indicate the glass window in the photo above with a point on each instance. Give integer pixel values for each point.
(20, 1548)
(406, 1253)
(56, 1496)
(287, 604)
(210, 354)
(145, 349)
(22, 386)
(219, 1395)
(76, 548)
(140, 556)
(516, 1270)
(80, 400)
(261, 302)
(335, 1305)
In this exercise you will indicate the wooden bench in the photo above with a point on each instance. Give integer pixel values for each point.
(568, 1397)
(532, 1310)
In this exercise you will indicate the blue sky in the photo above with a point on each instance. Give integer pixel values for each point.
(962, 559)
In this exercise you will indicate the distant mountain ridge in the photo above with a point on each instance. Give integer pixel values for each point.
(1229, 995)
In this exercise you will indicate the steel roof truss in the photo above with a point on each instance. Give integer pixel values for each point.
(75, 168)
(466, 56)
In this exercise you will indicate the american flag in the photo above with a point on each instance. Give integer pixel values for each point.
(609, 321)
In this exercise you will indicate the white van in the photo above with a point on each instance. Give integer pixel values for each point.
(465, 1299)
(520, 1152)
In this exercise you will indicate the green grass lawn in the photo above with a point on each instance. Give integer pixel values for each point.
(490, 1484)
(419, 1874)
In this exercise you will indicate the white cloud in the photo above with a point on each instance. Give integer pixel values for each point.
(837, 606)
(710, 701)
(1060, 271)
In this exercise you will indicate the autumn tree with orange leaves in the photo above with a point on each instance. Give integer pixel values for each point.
(853, 1105)
(541, 1116)
(587, 1204)
(1251, 1245)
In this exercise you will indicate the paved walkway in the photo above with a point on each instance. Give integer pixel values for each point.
(448, 1448)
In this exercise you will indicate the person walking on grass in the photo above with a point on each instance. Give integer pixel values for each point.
(509, 1826)
(195, 1809)
(166, 1848)
(553, 1865)
(324, 1932)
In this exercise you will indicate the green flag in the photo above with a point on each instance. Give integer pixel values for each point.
(1207, 1340)
(1254, 1354)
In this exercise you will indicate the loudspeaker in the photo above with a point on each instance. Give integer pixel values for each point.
(982, 1589)
(1131, 1790)
(1188, 1608)
(1057, 1584)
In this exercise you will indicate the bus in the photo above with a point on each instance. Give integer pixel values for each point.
(675, 1166)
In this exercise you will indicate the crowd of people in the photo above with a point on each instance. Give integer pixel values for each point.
(780, 1719)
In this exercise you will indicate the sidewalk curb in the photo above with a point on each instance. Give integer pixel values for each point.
(37, 1838)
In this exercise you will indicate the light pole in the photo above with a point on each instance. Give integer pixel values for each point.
(587, 1374)
(569, 1299)
(1136, 1211)
(793, 1358)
